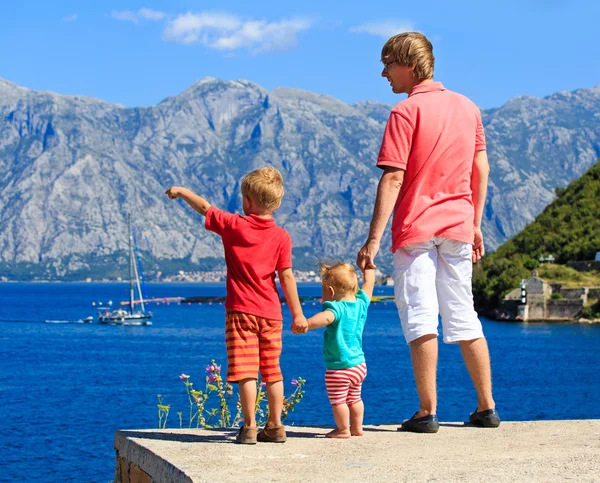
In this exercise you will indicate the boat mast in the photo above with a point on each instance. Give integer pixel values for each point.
(136, 272)
(131, 267)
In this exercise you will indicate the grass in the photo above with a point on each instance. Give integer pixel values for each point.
(569, 277)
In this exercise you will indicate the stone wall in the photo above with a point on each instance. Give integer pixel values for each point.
(594, 293)
(536, 286)
(537, 310)
(574, 293)
(562, 309)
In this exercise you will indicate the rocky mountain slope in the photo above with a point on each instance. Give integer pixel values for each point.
(71, 168)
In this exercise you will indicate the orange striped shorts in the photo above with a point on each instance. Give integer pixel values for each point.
(253, 344)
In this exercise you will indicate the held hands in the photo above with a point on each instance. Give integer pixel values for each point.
(366, 256)
(478, 247)
(299, 324)
(174, 192)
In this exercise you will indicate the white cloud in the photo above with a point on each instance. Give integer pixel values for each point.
(228, 32)
(127, 15)
(70, 18)
(385, 29)
(141, 14)
(149, 14)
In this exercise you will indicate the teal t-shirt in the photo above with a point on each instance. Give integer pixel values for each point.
(342, 345)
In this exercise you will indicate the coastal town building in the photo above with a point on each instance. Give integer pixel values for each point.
(538, 300)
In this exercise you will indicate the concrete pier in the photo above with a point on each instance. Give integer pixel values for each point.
(540, 451)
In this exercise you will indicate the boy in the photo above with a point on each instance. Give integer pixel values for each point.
(255, 248)
(344, 315)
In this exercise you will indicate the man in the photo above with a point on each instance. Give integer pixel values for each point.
(435, 172)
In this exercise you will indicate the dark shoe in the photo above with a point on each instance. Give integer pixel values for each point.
(247, 435)
(272, 434)
(486, 419)
(426, 424)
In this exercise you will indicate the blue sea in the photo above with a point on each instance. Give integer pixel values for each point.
(66, 387)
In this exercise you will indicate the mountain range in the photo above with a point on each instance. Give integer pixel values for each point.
(72, 168)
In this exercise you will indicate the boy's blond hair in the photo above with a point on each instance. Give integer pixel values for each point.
(265, 187)
(411, 49)
(341, 276)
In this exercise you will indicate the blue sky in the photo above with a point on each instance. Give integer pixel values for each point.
(138, 53)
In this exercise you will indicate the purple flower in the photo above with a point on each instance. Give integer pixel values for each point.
(262, 384)
(211, 378)
(184, 377)
(209, 368)
(294, 382)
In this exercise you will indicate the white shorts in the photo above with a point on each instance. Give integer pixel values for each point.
(435, 277)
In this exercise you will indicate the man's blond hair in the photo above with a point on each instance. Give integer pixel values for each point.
(341, 276)
(411, 49)
(265, 187)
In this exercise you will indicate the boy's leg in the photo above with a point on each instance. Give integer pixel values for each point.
(269, 352)
(242, 364)
(357, 413)
(248, 399)
(275, 397)
(341, 414)
(354, 399)
(337, 383)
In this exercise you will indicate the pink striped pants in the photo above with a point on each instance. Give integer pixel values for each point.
(344, 385)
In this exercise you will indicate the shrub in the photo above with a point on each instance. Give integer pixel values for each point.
(209, 414)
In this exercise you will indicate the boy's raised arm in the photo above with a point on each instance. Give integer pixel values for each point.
(197, 202)
(290, 291)
(369, 282)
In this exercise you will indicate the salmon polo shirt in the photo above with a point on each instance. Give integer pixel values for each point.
(433, 135)
(255, 248)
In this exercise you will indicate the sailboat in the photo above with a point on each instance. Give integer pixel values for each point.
(135, 315)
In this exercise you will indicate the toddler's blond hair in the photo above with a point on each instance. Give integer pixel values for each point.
(411, 49)
(341, 276)
(265, 187)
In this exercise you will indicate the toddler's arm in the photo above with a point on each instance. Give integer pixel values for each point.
(321, 319)
(369, 282)
(290, 291)
(197, 202)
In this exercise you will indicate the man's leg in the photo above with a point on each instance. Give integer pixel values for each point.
(459, 319)
(424, 354)
(415, 272)
(477, 358)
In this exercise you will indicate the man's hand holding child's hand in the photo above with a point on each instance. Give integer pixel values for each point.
(299, 325)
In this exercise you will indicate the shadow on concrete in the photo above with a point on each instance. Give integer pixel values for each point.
(377, 429)
(304, 434)
(458, 425)
(220, 436)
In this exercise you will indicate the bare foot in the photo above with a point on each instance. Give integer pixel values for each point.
(336, 433)
(356, 432)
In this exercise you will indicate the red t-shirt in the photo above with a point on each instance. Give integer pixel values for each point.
(433, 135)
(254, 249)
